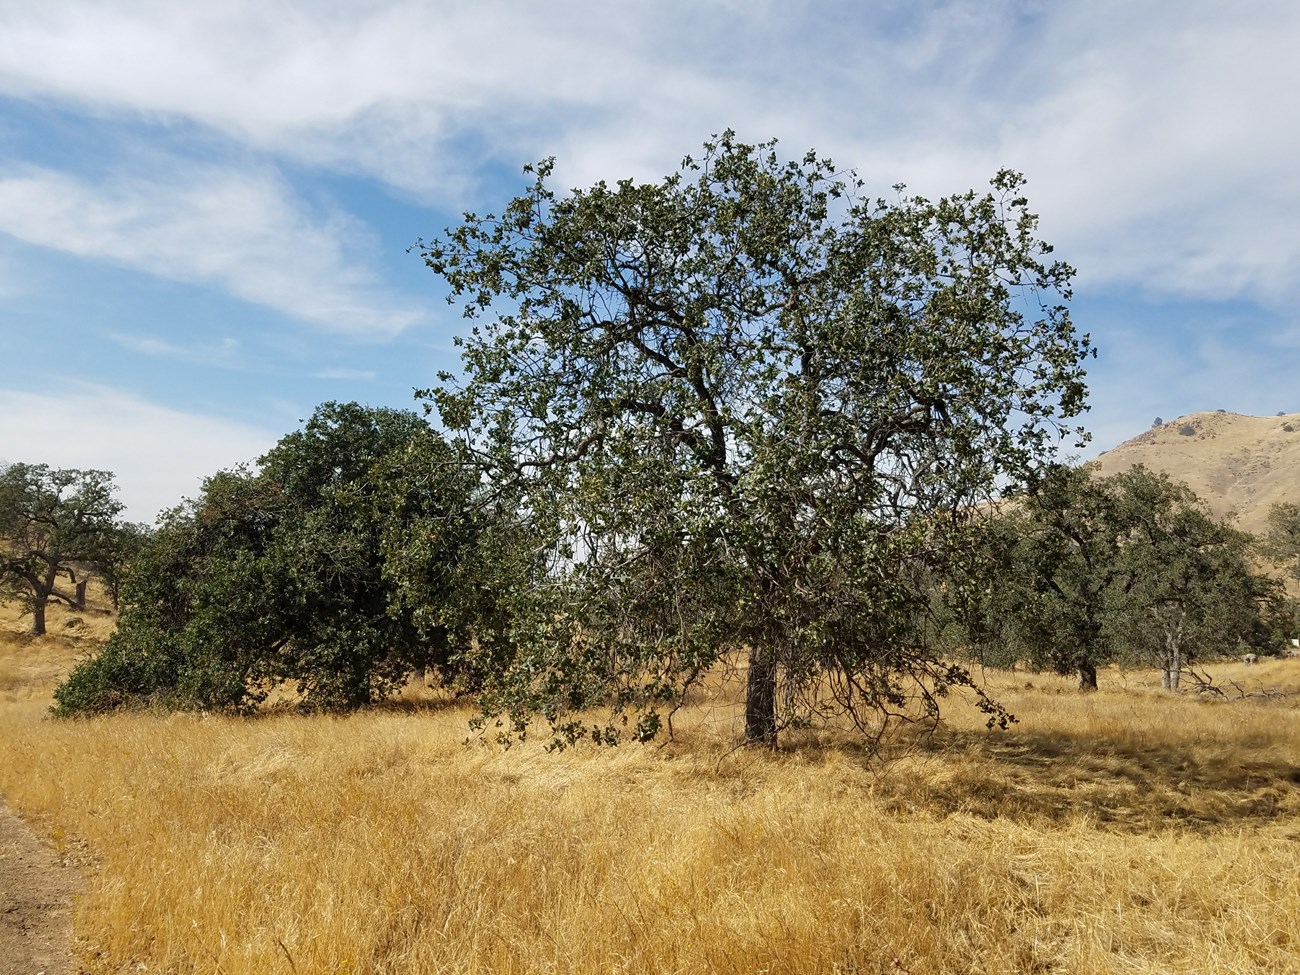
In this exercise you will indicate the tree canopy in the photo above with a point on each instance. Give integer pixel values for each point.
(1051, 575)
(1131, 568)
(54, 524)
(1282, 540)
(746, 410)
(281, 574)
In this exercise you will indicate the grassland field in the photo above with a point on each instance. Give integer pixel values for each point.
(1126, 831)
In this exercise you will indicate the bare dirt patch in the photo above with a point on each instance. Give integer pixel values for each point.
(36, 891)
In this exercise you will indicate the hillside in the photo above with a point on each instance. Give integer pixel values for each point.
(1240, 465)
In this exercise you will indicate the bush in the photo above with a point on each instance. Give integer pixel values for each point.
(285, 575)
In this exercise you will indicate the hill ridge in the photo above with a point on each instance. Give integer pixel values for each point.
(1240, 465)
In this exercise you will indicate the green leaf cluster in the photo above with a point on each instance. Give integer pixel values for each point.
(286, 574)
(1083, 570)
(56, 526)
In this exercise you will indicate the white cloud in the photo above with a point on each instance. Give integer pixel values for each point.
(238, 231)
(1159, 140)
(360, 375)
(218, 353)
(158, 455)
(1159, 145)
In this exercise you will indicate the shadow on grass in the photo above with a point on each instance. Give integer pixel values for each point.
(1059, 777)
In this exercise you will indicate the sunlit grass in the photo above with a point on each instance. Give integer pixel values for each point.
(1123, 831)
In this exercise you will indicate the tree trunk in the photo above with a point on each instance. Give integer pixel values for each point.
(1175, 668)
(760, 698)
(1087, 677)
(80, 602)
(38, 616)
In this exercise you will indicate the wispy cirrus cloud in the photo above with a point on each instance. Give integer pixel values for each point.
(240, 231)
(222, 352)
(348, 375)
(1159, 146)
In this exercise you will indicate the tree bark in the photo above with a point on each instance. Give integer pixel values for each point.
(38, 616)
(1087, 677)
(1171, 664)
(760, 698)
(80, 602)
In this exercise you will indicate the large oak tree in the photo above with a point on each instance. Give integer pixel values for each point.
(745, 411)
(289, 573)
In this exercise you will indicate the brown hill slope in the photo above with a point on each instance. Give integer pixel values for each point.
(1241, 465)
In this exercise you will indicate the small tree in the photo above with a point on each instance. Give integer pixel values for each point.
(1282, 539)
(55, 525)
(742, 410)
(1189, 587)
(1281, 543)
(1051, 570)
(129, 538)
(1086, 570)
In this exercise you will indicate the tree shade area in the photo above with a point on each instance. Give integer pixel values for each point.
(746, 411)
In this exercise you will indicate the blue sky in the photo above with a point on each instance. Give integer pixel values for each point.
(206, 210)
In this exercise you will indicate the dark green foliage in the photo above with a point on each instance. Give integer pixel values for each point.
(1281, 617)
(1051, 573)
(282, 574)
(1190, 591)
(1282, 542)
(743, 411)
(1082, 571)
(128, 540)
(56, 526)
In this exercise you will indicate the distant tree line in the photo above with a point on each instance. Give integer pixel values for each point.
(365, 549)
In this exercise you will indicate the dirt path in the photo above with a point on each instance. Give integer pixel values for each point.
(36, 891)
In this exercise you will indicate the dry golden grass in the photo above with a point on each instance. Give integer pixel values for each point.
(32, 667)
(1125, 831)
